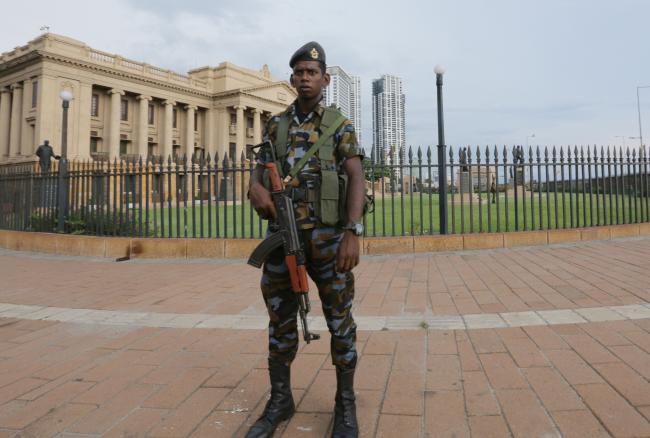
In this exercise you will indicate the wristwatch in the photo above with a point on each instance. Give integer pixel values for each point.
(355, 227)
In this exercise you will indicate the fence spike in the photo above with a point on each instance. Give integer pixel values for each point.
(505, 154)
(530, 154)
(554, 153)
(451, 154)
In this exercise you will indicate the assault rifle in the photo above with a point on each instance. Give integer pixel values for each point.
(285, 234)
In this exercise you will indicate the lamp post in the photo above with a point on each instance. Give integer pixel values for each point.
(66, 97)
(527, 137)
(439, 70)
(638, 108)
(623, 137)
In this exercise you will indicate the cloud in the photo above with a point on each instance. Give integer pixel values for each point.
(565, 69)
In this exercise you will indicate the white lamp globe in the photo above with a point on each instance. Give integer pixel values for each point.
(439, 69)
(66, 95)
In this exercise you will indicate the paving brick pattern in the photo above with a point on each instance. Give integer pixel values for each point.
(565, 378)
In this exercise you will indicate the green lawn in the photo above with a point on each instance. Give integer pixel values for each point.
(421, 216)
(417, 214)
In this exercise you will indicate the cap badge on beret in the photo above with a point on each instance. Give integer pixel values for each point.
(314, 53)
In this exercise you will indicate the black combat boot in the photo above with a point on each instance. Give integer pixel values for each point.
(345, 410)
(280, 406)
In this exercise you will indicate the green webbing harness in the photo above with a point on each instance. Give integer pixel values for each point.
(328, 205)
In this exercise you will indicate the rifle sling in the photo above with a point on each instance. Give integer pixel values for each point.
(316, 146)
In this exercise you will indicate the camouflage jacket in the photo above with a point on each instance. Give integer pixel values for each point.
(301, 137)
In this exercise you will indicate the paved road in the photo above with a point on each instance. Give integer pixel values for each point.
(531, 342)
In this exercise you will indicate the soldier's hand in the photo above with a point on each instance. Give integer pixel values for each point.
(261, 201)
(348, 255)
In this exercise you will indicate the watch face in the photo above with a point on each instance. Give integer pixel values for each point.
(358, 229)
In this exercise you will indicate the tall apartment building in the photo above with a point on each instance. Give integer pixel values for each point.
(123, 107)
(355, 105)
(344, 91)
(388, 118)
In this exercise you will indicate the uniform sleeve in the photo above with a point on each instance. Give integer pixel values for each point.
(346, 143)
(264, 153)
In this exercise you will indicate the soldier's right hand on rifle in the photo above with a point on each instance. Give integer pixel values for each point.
(262, 201)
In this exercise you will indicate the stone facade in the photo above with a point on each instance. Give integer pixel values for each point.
(124, 108)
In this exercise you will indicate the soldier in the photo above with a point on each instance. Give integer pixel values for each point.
(45, 153)
(332, 250)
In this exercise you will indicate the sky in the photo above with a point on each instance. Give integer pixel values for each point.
(565, 71)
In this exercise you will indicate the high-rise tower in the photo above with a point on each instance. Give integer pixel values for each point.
(344, 92)
(388, 118)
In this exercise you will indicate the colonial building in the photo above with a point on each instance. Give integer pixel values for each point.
(125, 108)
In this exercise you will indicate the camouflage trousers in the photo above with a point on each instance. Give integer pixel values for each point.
(336, 291)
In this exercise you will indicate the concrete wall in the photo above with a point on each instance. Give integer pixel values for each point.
(114, 247)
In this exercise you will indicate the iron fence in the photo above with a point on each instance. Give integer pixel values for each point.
(489, 189)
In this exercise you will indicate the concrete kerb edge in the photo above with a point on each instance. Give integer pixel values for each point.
(115, 247)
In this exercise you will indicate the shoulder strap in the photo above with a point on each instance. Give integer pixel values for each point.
(281, 136)
(329, 131)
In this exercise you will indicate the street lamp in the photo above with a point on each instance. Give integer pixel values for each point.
(439, 70)
(623, 137)
(638, 108)
(527, 137)
(66, 97)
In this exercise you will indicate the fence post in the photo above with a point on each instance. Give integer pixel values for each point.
(61, 195)
(442, 149)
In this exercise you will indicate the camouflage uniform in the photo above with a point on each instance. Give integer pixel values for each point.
(336, 289)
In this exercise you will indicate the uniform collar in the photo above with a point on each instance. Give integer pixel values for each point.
(293, 111)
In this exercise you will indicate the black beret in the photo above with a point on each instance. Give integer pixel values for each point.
(312, 51)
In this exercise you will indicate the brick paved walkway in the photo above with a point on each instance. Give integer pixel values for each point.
(140, 369)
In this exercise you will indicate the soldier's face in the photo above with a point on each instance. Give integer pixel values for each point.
(308, 79)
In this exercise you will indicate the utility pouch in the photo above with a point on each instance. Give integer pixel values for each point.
(368, 200)
(329, 197)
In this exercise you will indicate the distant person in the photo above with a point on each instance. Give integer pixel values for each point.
(463, 160)
(45, 154)
(493, 190)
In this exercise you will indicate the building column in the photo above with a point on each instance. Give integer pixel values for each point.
(257, 126)
(189, 131)
(82, 103)
(16, 115)
(210, 131)
(26, 147)
(224, 133)
(241, 132)
(143, 126)
(114, 124)
(167, 146)
(5, 119)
